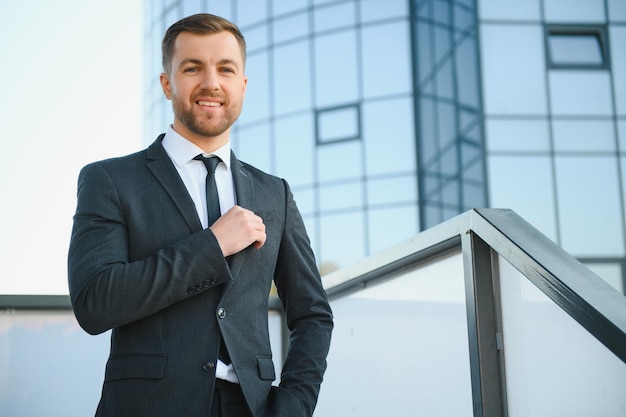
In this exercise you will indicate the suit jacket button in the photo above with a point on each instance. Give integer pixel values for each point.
(191, 290)
(221, 313)
(206, 283)
(213, 280)
(208, 367)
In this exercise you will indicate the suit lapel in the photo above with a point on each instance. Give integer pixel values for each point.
(161, 166)
(244, 191)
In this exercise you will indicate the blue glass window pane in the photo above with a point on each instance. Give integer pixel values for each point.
(467, 73)
(295, 147)
(517, 135)
(333, 17)
(584, 93)
(344, 239)
(256, 38)
(589, 206)
(292, 78)
(339, 161)
(390, 226)
(516, 10)
(583, 135)
(338, 124)
(390, 147)
(396, 190)
(285, 6)
(253, 145)
(373, 10)
(250, 12)
(525, 185)
(513, 65)
(336, 80)
(257, 103)
(566, 49)
(621, 128)
(291, 27)
(618, 65)
(567, 11)
(386, 60)
(341, 196)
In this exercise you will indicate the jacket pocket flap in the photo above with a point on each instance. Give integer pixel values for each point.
(135, 367)
(266, 368)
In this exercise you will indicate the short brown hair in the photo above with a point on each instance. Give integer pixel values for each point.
(201, 23)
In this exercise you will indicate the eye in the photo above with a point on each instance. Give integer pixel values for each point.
(227, 70)
(190, 70)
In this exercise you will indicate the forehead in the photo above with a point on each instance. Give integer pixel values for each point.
(207, 47)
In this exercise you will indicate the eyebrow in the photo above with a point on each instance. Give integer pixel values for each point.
(194, 61)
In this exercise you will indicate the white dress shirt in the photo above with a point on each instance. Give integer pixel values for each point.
(193, 173)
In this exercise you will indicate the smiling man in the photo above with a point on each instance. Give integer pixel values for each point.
(175, 249)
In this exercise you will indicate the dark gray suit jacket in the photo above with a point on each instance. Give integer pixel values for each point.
(140, 264)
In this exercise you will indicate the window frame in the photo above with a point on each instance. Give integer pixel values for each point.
(320, 141)
(599, 31)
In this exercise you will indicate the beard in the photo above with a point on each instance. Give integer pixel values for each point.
(203, 124)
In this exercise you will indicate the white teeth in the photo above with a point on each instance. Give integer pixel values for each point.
(209, 103)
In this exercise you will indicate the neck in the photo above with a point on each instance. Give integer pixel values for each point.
(208, 144)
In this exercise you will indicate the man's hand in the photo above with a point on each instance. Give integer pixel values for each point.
(237, 229)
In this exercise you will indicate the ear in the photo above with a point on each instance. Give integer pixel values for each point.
(166, 85)
(245, 84)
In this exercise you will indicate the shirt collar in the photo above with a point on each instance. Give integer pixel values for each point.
(182, 150)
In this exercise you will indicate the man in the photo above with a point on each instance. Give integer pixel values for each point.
(146, 262)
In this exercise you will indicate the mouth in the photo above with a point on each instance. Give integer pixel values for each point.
(204, 103)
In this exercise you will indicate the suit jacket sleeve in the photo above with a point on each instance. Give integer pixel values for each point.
(309, 318)
(108, 286)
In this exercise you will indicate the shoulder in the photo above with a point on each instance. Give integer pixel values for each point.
(130, 161)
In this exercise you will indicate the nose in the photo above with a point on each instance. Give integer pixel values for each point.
(210, 81)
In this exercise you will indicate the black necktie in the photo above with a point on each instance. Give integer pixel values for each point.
(213, 211)
(212, 198)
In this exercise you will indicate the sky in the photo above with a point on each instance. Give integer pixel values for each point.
(71, 84)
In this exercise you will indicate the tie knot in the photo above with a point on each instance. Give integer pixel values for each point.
(209, 162)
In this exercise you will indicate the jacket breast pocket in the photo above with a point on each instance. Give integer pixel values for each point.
(135, 367)
(267, 215)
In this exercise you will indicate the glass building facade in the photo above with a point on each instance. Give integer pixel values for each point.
(388, 117)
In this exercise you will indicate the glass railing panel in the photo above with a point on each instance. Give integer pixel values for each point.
(400, 346)
(554, 366)
(47, 362)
